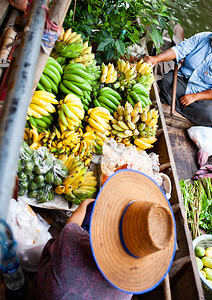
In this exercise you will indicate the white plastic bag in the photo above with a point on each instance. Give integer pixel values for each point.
(30, 232)
(202, 137)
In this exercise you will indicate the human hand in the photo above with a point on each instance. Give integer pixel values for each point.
(151, 60)
(188, 99)
(79, 214)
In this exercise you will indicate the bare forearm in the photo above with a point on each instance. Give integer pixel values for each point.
(205, 95)
(164, 56)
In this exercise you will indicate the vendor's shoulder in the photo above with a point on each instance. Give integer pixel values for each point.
(204, 34)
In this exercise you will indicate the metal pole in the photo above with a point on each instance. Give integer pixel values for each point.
(13, 117)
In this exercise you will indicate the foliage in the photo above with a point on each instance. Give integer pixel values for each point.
(198, 204)
(111, 26)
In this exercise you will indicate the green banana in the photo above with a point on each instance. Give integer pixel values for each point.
(96, 103)
(51, 75)
(67, 112)
(80, 73)
(65, 90)
(54, 70)
(73, 77)
(75, 66)
(47, 120)
(86, 108)
(54, 63)
(45, 82)
(140, 88)
(107, 102)
(134, 96)
(85, 101)
(145, 99)
(32, 121)
(104, 91)
(130, 100)
(112, 98)
(40, 87)
(73, 87)
(53, 84)
(63, 117)
(40, 123)
(84, 86)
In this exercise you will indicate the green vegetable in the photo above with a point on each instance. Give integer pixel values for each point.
(22, 191)
(40, 180)
(49, 177)
(32, 194)
(22, 176)
(41, 196)
(30, 177)
(23, 184)
(29, 168)
(33, 186)
(57, 180)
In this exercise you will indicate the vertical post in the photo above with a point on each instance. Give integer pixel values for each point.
(13, 116)
(174, 89)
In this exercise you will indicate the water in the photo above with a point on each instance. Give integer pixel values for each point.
(195, 15)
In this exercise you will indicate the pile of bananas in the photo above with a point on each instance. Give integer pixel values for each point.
(135, 125)
(109, 74)
(85, 57)
(127, 74)
(40, 109)
(145, 73)
(86, 147)
(107, 98)
(51, 76)
(71, 113)
(76, 80)
(69, 46)
(98, 121)
(80, 183)
(138, 93)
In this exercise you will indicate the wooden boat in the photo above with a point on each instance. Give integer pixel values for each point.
(172, 147)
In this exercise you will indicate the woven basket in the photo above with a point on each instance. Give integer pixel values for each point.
(204, 241)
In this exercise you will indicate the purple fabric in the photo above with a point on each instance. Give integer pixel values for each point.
(67, 270)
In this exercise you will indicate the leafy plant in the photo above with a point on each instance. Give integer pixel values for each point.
(111, 26)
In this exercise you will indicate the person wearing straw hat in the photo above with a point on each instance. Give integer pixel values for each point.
(129, 250)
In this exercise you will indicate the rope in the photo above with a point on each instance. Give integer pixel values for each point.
(7, 243)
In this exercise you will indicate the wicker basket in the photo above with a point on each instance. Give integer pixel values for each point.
(204, 241)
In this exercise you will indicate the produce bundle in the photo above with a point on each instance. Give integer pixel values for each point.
(205, 167)
(197, 199)
(51, 76)
(204, 261)
(135, 125)
(39, 172)
(85, 57)
(138, 93)
(40, 109)
(80, 183)
(109, 74)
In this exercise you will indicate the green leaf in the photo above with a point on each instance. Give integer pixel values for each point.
(120, 47)
(104, 45)
(89, 9)
(157, 37)
(109, 54)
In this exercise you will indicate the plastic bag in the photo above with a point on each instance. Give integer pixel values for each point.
(202, 137)
(30, 232)
(116, 156)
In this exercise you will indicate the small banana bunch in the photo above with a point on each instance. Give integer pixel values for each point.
(147, 129)
(145, 73)
(107, 98)
(128, 75)
(40, 109)
(80, 183)
(51, 76)
(125, 123)
(94, 70)
(33, 138)
(86, 147)
(71, 113)
(98, 121)
(109, 74)
(77, 80)
(85, 57)
(70, 46)
(138, 93)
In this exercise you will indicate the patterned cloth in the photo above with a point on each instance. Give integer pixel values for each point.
(67, 270)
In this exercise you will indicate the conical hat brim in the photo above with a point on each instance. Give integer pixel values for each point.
(129, 274)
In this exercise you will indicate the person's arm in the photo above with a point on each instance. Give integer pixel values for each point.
(79, 214)
(190, 98)
(164, 56)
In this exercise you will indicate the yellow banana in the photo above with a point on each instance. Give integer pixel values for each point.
(96, 125)
(101, 121)
(142, 144)
(39, 110)
(67, 34)
(43, 104)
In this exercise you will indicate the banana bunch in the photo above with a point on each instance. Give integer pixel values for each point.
(138, 93)
(70, 46)
(145, 74)
(107, 98)
(33, 138)
(77, 171)
(125, 123)
(98, 121)
(147, 129)
(51, 76)
(109, 74)
(40, 109)
(71, 113)
(85, 57)
(76, 80)
(86, 147)
(127, 70)
(95, 70)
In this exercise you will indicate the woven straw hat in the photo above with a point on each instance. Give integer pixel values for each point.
(132, 232)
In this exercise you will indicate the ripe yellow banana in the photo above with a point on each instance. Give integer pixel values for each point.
(96, 125)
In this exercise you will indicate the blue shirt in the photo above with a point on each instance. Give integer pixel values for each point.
(197, 64)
